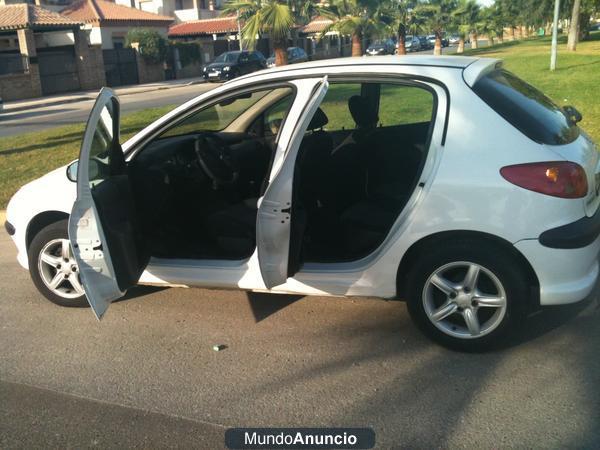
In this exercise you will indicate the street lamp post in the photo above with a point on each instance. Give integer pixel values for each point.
(554, 35)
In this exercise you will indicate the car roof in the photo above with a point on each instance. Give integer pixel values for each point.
(458, 62)
(473, 67)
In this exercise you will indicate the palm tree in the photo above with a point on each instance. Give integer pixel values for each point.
(574, 28)
(437, 15)
(465, 18)
(358, 18)
(399, 17)
(486, 24)
(264, 16)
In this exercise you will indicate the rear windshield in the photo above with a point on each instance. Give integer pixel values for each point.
(526, 108)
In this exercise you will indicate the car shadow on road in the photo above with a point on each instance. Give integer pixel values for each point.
(264, 304)
(140, 291)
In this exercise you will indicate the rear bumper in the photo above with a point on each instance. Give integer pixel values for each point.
(566, 275)
(573, 235)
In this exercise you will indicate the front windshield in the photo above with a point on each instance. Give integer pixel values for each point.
(227, 57)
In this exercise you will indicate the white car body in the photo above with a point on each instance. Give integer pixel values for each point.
(460, 191)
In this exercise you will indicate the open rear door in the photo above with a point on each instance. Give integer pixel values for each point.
(102, 226)
(273, 227)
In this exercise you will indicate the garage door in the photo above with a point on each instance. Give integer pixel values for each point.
(120, 66)
(58, 70)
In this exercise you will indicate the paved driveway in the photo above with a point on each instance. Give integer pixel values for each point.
(147, 376)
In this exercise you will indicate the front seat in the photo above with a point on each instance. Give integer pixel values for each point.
(233, 229)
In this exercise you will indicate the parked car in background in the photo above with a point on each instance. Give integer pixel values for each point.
(454, 39)
(381, 47)
(230, 65)
(318, 179)
(412, 43)
(294, 54)
(1, 104)
(425, 44)
(431, 39)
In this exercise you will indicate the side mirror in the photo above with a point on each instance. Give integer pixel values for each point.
(72, 171)
(572, 114)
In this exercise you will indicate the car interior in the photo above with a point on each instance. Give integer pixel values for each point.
(196, 186)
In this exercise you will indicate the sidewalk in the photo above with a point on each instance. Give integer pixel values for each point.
(51, 100)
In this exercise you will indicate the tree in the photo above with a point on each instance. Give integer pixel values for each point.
(511, 12)
(264, 16)
(399, 17)
(358, 18)
(437, 15)
(574, 27)
(150, 43)
(465, 18)
(487, 25)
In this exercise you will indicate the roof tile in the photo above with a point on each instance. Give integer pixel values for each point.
(22, 15)
(205, 26)
(98, 11)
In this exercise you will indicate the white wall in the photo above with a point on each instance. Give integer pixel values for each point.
(54, 39)
(104, 36)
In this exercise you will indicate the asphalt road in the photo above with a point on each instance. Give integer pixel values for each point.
(146, 376)
(12, 123)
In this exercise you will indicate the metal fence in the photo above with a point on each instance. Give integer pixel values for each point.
(13, 63)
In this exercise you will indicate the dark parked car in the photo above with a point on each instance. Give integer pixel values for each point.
(382, 47)
(294, 54)
(425, 44)
(229, 65)
(431, 38)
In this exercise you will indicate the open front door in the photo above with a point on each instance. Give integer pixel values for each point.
(273, 227)
(102, 225)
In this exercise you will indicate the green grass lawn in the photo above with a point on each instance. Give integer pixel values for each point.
(575, 82)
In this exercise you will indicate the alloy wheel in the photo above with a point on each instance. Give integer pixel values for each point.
(464, 300)
(58, 269)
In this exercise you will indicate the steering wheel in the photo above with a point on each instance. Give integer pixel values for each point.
(214, 157)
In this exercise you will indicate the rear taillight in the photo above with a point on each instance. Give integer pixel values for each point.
(557, 178)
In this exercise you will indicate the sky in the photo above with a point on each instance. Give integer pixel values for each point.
(485, 2)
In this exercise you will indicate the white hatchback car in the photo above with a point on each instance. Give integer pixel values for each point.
(445, 181)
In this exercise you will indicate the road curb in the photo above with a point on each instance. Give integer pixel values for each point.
(80, 98)
(49, 103)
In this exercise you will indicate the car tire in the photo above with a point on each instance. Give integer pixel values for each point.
(49, 260)
(458, 316)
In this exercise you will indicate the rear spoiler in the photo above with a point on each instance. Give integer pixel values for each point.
(474, 71)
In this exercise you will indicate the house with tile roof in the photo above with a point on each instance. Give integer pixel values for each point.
(108, 22)
(43, 52)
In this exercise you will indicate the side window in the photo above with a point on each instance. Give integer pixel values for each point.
(335, 106)
(402, 105)
(398, 104)
(99, 158)
(526, 108)
(219, 116)
(275, 114)
(243, 58)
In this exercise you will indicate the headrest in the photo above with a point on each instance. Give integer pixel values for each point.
(319, 120)
(362, 112)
